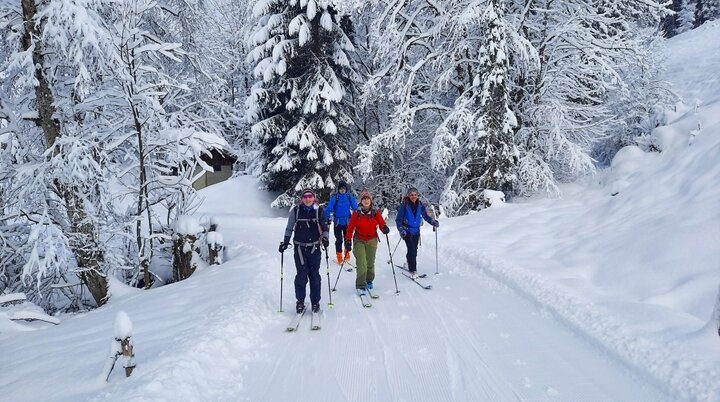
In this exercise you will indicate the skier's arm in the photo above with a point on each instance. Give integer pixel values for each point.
(353, 202)
(330, 207)
(380, 219)
(290, 225)
(323, 224)
(399, 217)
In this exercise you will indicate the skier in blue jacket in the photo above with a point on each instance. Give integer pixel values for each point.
(341, 206)
(409, 217)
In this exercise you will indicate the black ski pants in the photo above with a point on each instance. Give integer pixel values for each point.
(412, 242)
(339, 231)
(308, 268)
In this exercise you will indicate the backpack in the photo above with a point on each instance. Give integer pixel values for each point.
(317, 216)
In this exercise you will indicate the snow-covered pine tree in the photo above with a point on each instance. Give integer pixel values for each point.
(707, 10)
(686, 16)
(299, 105)
(475, 142)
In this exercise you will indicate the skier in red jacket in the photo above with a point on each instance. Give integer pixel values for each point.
(362, 229)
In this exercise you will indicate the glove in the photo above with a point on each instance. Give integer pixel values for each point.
(403, 233)
(348, 245)
(436, 223)
(385, 229)
(325, 242)
(283, 247)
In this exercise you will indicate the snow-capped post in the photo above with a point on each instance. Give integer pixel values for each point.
(215, 243)
(121, 346)
(185, 251)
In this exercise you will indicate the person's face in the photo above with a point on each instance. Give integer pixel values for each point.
(342, 190)
(308, 199)
(366, 202)
(413, 196)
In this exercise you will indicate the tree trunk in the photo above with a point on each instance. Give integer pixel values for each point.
(83, 240)
(183, 249)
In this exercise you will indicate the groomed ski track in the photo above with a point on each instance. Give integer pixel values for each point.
(219, 336)
(470, 338)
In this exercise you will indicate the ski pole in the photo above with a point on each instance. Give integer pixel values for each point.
(338, 277)
(437, 264)
(397, 291)
(282, 255)
(394, 250)
(327, 268)
(435, 229)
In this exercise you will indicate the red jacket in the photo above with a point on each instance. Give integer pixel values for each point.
(364, 225)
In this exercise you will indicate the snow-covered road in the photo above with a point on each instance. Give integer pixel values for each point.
(469, 338)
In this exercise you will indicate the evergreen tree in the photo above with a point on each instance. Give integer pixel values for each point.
(300, 104)
(686, 16)
(476, 138)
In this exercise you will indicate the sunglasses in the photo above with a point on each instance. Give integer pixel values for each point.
(308, 196)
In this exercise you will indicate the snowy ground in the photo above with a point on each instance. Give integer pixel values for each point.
(589, 297)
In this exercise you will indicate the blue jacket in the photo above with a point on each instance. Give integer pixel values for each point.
(341, 205)
(409, 221)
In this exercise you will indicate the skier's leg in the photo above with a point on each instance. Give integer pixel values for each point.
(370, 252)
(412, 244)
(313, 264)
(301, 277)
(360, 250)
(339, 232)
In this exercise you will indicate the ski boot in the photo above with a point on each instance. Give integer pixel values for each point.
(316, 307)
(299, 307)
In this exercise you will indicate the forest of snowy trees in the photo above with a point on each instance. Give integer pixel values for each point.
(106, 107)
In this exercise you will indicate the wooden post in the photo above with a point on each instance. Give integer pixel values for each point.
(215, 245)
(124, 348)
(128, 356)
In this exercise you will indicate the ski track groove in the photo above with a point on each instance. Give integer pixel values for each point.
(463, 267)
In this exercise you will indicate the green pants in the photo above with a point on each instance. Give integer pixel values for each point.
(365, 261)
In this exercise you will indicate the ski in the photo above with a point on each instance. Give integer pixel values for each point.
(373, 295)
(363, 298)
(418, 282)
(315, 321)
(295, 322)
(407, 270)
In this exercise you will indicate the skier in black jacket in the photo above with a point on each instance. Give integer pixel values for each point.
(307, 220)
